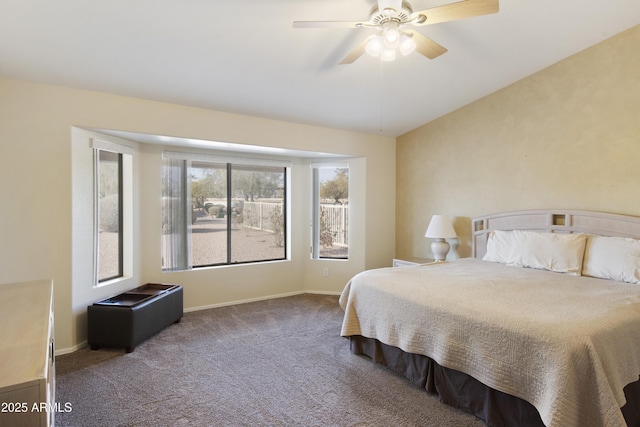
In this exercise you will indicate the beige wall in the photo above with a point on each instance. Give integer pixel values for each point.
(45, 208)
(565, 137)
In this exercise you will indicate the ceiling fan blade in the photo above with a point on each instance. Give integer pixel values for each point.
(426, 46)
(451, 12)
(328, 24)
(356, 53)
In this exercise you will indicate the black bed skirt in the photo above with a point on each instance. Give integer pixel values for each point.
(457, 389)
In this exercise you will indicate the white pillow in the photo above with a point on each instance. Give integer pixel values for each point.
(616, 258)
(503, 247)
(559, 252)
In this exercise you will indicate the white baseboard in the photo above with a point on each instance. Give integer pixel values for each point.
(337, 293)
(60, 352)
(265, 298)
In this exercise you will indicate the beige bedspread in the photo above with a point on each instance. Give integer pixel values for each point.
(566, 344)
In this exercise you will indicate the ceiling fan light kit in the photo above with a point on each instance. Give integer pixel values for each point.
(391, 16)
(385, 46)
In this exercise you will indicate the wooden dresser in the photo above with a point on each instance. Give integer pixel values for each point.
(27, 371)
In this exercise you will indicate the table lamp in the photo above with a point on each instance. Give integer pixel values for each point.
(440, 228)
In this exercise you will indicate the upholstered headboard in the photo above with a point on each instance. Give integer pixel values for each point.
(556, 221)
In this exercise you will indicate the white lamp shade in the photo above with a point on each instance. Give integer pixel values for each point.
(407, 45)
(440, 228)
(391, 35)
(375, 46)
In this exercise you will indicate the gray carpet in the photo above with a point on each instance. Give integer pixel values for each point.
(279, 362)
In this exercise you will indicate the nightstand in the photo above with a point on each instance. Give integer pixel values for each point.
(405, 262)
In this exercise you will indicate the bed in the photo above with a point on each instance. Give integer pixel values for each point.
(540, 327)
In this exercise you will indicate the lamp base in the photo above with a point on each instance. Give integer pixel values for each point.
(440, 248)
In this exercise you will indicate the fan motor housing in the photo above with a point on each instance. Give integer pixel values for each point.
(379, 17)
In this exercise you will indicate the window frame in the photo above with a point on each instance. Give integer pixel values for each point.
(97, 217)
(316, 214)
(125, 210)
(185, 261)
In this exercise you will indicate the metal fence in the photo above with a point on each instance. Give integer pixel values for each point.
(335, 219)
(261, 215)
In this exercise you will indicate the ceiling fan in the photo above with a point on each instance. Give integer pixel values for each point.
(391, 17)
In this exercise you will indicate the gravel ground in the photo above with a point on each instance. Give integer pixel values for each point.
(108, 255)
(209, 237)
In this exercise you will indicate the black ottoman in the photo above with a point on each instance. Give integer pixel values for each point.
(127, 319)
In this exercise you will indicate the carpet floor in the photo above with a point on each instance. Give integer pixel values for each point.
(279, 362)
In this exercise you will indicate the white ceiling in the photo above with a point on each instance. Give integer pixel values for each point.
(243, 56)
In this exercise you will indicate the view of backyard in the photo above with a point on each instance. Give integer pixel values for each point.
(256, 231)
(253, 237)
(209, 241)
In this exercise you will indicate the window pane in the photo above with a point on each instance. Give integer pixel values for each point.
(234, 213)
(333, 227)
(258, 213)
(208, 213)
(109, 215)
